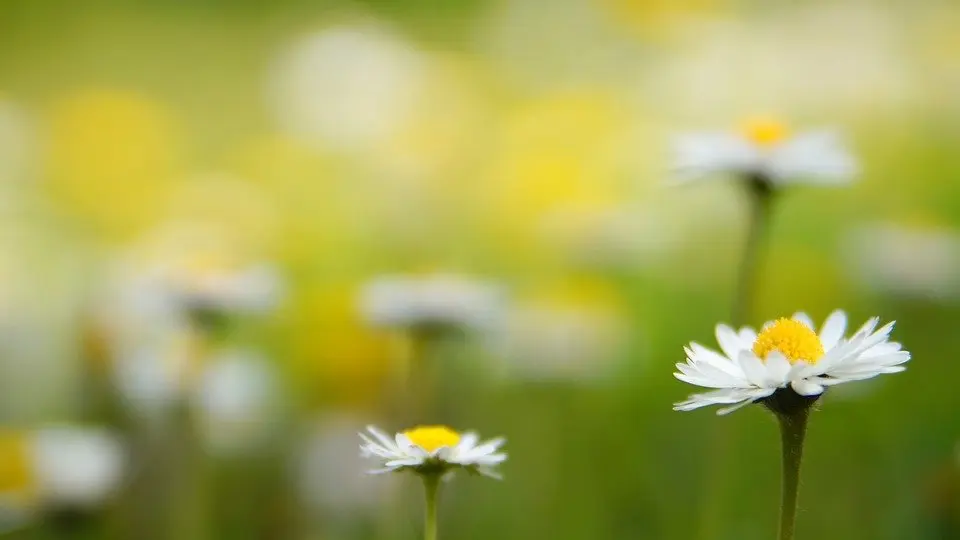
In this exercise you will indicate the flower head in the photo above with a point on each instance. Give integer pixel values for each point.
(429, 450)
(764, 148)
(57, 468)
(787, 355)
(433, 301)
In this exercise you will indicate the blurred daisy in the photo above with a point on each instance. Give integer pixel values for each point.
(251, 289)
(909, 262)
(763, 149)
(234, 402)
(787, 360)
(434, 301)
(57, 468)
(432, 451)
(348, 87)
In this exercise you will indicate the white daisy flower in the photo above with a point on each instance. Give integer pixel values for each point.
(763, 149)
(234, 403)
(787, 353)
(54, 468)
(438, 300)
(253, 289)
(432, 450)
(904, 261)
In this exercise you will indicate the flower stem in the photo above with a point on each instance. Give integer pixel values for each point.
(431, 486)
(761, 197)
(793, 430)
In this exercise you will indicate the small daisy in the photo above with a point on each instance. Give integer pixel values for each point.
(787, 353)
(431, 301)
(763, 149)
(57, 468)
(432, 451)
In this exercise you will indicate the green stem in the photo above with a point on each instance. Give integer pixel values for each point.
(761, 197)
(793, 430)
(431, 486)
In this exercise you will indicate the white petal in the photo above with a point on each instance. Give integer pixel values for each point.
(405, 462)
(814, 157)
(833, 329)
(777, 368)
(729, 341)
(699, 353)
(468, 441)
(727, 410)
(748, 336)
(806, 387)
(490, 473)
(383, 470)
(384, 439)
(753, 368)
(805, 319)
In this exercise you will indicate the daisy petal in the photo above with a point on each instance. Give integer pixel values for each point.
(833, 329)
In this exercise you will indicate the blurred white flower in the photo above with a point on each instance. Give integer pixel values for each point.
(58, 467)
(252, 289)
(436, 300)
(154, 374)
(904, 261)
(579, 343)
(77, 467)
(346, 87)
(812, 60)
(331, 472)
(235, 402)
(574, 43)
(764, 150)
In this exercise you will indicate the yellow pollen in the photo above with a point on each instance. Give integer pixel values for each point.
(793, 339)
(432, 437)
(764, 131)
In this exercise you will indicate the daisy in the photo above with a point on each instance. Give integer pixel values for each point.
(763, 149)
(788, 361)
(57, 468)
(432, 301)
(432, 451)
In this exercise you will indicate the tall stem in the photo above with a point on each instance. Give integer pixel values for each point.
(793, 430)
(431, 486)
(761, 196)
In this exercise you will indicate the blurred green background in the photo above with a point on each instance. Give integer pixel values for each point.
(516, 142)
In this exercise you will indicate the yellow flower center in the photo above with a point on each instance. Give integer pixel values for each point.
(764, 131)
(16, 468)
(791, 338)
(430, 438)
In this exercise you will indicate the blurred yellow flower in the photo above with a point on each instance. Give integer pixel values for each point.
(111, 157)
(303, 181)
(564, 151)
(334, 354)
(243, 212)
(57, 467)
(17, 480)
(661, 19)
